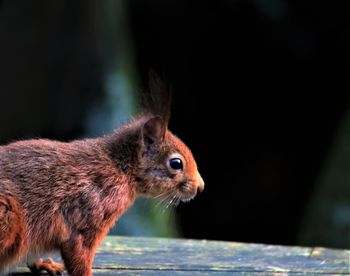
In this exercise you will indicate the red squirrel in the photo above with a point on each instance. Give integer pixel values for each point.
(64, 197)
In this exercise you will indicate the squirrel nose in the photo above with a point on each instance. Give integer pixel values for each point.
(200, 183)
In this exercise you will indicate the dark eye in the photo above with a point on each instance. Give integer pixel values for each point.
(176, 164)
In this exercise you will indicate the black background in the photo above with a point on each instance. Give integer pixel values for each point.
(260, 88)
(258, 97)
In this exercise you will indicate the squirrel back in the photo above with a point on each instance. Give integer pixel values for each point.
(57, 196)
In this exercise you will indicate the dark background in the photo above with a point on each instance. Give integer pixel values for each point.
(260, 89)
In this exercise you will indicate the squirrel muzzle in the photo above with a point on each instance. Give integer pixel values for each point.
(200, 183)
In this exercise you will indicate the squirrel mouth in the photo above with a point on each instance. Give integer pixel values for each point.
(186, 199)
(187, 191)
(184, 192)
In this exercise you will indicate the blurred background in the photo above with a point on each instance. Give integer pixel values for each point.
(261, 96)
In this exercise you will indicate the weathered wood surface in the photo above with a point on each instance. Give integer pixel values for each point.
(154, 256)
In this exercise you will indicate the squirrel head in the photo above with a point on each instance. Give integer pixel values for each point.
(166, 166)
(160, 163)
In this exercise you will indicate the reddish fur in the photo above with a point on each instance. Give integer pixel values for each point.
(66, 196)
(12, 242)
(70, 195)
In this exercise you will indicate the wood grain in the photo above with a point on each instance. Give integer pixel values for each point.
(160, 256)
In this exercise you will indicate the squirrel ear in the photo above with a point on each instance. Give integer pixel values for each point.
(153, 131)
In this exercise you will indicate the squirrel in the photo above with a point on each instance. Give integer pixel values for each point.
(65, 196)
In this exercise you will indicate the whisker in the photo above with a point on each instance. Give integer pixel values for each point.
(165, 198)
(169, 202)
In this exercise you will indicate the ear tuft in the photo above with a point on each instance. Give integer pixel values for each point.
(153, 131)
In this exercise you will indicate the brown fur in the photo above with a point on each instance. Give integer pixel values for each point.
(64, 197)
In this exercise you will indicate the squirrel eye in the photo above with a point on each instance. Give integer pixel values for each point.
(176, 164)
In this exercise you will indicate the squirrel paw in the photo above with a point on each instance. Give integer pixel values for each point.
(48, 265)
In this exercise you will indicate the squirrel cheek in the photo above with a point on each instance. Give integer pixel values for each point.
(187, 188)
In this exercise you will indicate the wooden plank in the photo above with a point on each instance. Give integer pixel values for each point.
(159, 256)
